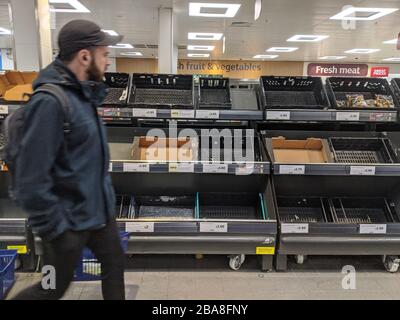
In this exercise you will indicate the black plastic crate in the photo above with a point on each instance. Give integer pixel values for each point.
(339, 88)
(245, 96)
(302, 210)
(293, 92)
(362, 210)
(164, 207)
(214, 93)
(396, 88)
(236, 206)
(162, 91)
(362, 150)
(117, 91)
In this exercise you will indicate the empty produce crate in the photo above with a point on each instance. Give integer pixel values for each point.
(117, 91)
(302, 209)
(244, 96)
(362, 150)
(360, 93)
(236, 206)
(362, 210)
(164, 207)
(293, 92)
(7, 274)
(162, 91)
(214, 93)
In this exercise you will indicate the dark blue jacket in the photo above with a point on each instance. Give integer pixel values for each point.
(62, 180)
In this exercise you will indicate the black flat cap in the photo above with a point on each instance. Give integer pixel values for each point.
(82, 34)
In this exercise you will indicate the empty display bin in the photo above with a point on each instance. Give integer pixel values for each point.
(303, 209)
(117, 91)
(214, 93)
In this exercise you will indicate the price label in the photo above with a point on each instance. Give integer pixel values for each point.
(182, 114)
(110, 167)
(292, 169)
(245, 169)
(145, 113)
(136, 167)
(278, 115)
(265, 250)
(213, 227)
(3, 109)
(347, 116)
(207, 114)
(181, 167)
(373, 228)
(215, 168)
(294, 227)
(139, 227)
(20, 249)
(362, 170)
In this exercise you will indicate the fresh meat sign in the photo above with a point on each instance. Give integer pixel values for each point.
(337, 70)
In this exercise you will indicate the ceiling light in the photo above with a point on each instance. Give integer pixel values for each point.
(393, 41)
(122, 46)
(201, 48)
(282, 49)
(332, 58)
(224, 45)
(198, 55)
(4, 31)
(392, 59)
(111, 32)
(75, 4)
(306, 38)
(213, 10)
(133, 54)
(204, 36)
(366, 13)
(362, 51)
(266, 56)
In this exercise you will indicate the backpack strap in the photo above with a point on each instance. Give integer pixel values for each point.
(60, 95)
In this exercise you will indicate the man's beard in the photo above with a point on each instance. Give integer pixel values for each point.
(94, 73)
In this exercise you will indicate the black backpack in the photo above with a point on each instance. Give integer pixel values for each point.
(13, 130)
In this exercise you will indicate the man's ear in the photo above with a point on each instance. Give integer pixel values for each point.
(85, 57)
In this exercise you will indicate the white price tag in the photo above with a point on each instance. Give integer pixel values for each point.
(182, 114)
(294, 227)
(136, 167)
(110, 167)
(245, 169)
(145, 113)
(347, 116)
(207, 114)
(3, 109)
(213, 227)
(292, 169)
(215, 168)
(278, 115)
(373, 228)
(139, 227)
(362, 170)
(181, 167)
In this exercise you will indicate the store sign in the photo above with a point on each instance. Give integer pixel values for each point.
(337, 70)
(379, 72)
(219, 67)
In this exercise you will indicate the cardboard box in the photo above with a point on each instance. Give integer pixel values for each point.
(311, 150)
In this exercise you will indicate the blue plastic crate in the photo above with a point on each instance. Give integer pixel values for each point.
(7, 268)
(89, 268)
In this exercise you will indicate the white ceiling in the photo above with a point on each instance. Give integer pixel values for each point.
(137, 20)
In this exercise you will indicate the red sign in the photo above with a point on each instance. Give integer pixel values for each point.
(337, 70)
(379, 72)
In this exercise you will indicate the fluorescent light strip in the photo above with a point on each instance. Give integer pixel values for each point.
(362, 51)
(266, 56)
(4, 31)
(111, 32)
(201, 48)
(122, 46)
(392, 59)
(282, 49)
(393, 41)
(133, 54)
(377, 13)
(198, 55)
(195, 9)
(306, 38)
(204, 36)
(78, 7)
(332, 58)
(224, 45)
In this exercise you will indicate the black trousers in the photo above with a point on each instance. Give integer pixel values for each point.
(64, 253)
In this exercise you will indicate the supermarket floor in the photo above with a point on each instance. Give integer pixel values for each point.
(184, 277)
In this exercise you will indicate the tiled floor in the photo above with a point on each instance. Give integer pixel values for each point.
(184, 277)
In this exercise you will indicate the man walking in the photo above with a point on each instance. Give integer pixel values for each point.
(62, 175)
